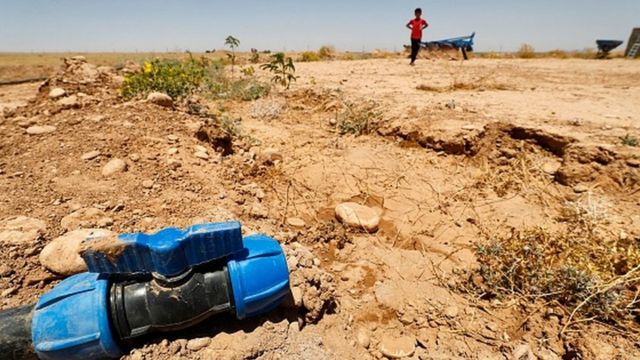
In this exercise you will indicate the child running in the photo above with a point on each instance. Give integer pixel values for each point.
(416, 26)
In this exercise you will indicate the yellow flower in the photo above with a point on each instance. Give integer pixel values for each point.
(147, 67)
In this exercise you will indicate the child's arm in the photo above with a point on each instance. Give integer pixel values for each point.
(425, 25)
(409, 26)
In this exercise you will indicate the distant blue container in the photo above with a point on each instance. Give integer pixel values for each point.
(170, 251)
(256, 291)
(72, 322)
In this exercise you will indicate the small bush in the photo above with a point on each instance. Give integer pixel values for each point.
(174, 78)
(327, 52)
(358, 119)
(526, 52)
(309, 56)
(247, 89)
(282, 68)
(629, 140)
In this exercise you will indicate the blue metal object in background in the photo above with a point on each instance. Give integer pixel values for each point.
(463, 43)
(85, 316)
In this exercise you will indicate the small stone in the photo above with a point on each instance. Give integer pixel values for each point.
(61, 255)
(200, 148)
(56, 93)
(5, 270)
(333, 122)
(296, 293)
(105, 221)
(271, 155)
(523, 352)
(201, 155)
(21, 230)
(358, 216)
(172, 151)
(633, 162)
(82, 218)
(7, 292)
(172, 138)
(579, 189)
(258, 211)
(173, 164)
(296, 222)
(25, 123)
(198, 343)
(363, 338)
(397, 348)
(69, 102)
(160, 99)
(147, 184)
(40, 130)
(90, 155)
(551, 167)
(134, 157)
(113, 167)
(451, 312)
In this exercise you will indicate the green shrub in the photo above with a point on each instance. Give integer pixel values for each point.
(243, 89)
(174, 78)
(282, 68)
(309, 56)
(629, 140)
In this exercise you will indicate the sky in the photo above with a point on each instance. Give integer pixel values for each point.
(349, 25)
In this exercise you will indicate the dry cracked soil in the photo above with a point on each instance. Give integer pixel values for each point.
(464, 151)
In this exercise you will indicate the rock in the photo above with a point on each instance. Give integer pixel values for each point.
(90, 155)
(69, 102)
(396, 348)
(105, 221)
(363, 338)
(5, 270)
(172, 138)
(523, 352)
(173, 164)
(271, 155)
(358, 216)
(296, 293)
(113, 167)
(160, 99)
(551, 167)
(61, 255)
(258, 211)
(578, 189)
(39, 130)
(21, 230)
(82, 218)
(172, 151)
(451, 312)
(198, 343)
(296, 222)
(25, 122)
(147, 184)
(56, 93)
(7, 292)
(633, 162)
(201, 155)
(134, 157)
(200, 148)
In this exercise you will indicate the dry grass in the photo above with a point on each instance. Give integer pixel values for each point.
(582, 267)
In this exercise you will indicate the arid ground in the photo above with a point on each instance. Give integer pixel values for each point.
(463, 152)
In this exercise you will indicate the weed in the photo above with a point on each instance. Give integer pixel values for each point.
(175, 78)
(247, 89)
(358, 119)
(309, 56)
(249, 71)
(255, 56)
(629, 140)
(577, 267)
(526, 51)
(283, 69)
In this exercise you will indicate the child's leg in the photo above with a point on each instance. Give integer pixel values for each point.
(415, 48)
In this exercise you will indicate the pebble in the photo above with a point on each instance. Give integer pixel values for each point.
(90, 155)
(147, 184)
(296, 222)
(69, 102)
(21, 230)
(551, 167)
(40, 130)
(363, 338)
(296, 293)
(105, 221)
(173, 164)
(113, 167)
(201, 155)
(134, 157)
(200, 148)
(198, 343)
(56, 93)
(258, 211)
(61, 255)
(82, 218)
(451, 312)
(633, 162)
(272, 155)
(8, 292)
(397, 348)
(172, 138)
(5, 270)
(578, 189)
(172, 151)
(358, 216)
(160, 99)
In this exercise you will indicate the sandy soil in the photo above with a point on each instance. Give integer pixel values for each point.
(485, 146)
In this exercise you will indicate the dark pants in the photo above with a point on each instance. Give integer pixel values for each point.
(415, 48)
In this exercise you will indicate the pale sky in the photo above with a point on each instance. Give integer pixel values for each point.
(196, 25)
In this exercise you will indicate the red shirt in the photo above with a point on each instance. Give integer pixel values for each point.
(416, 28)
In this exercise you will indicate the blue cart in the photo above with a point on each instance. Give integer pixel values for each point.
(463, 43)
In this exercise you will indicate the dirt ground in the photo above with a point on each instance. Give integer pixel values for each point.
(467, 150)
